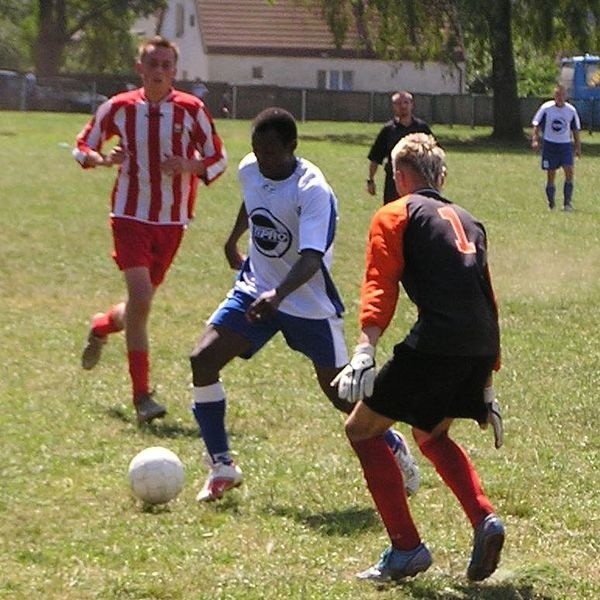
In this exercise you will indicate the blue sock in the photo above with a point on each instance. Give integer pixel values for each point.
(210, 416)
(550, 193)
(568, 192)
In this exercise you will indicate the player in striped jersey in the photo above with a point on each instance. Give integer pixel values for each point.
(442, 369)
(166, 143)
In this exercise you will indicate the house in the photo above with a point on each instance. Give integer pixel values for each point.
(284, 43)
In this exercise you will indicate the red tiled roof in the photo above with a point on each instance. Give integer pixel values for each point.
(282, 28)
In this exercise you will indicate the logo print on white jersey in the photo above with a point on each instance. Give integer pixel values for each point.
(558, 125)
(269, 235)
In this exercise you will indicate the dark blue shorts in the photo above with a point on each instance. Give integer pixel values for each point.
(556, 155)
(322, 340)
(423, 389)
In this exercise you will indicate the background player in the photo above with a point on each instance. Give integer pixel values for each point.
(557, 121)
(437, 250)
(166, 142)
(283, 285)
(403, 123)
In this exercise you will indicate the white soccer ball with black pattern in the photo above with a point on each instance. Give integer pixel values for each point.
(156, 475)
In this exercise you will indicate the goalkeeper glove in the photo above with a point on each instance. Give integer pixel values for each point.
(494, 415)
(356, 380)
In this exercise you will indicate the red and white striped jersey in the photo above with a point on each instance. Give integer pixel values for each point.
(179, 125)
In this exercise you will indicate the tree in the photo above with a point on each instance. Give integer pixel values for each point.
(494, 19)
(448, 29)
(14, 50)
(63, 24)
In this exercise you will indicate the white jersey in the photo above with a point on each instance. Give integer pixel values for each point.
(557, 122)
(284, 218)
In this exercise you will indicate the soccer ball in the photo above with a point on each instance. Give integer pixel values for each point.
(156, 475)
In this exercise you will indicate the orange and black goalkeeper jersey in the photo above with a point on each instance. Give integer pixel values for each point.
(438, 251)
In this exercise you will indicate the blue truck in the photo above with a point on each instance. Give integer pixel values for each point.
(581, 77)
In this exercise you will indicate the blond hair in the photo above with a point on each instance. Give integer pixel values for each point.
(421, 152)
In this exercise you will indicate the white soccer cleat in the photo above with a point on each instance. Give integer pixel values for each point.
(408, 464)
(221, 478)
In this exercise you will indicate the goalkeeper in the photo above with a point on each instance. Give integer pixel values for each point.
(442, 369)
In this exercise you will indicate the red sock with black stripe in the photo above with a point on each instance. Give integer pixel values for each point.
(386, 484)
(458, 472)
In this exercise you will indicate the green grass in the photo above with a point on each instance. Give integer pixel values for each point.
(303, 523)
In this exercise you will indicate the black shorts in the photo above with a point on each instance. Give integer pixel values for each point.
(423, 389)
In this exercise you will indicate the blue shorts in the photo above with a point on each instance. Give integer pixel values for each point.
(322, 340)
(556, 155)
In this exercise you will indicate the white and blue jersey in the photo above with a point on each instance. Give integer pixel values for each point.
(557, 122)
(284, 218)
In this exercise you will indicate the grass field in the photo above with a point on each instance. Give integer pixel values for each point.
(303, 524)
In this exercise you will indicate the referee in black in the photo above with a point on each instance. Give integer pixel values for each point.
(391, 133)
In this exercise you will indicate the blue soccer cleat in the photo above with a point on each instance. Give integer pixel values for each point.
(396, 564)
(487, 545)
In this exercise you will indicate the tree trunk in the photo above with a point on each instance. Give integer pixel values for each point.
(52, 37)
(507, 114)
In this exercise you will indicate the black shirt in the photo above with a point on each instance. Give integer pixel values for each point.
(391, 133)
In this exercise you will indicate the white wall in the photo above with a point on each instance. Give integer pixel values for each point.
(193, 61)
(368, 75)
(432, 78)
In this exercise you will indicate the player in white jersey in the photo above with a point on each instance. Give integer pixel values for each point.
(557, 124)
(166, 143)
(284, 285)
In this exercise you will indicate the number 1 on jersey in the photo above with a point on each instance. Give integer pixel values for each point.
(462, 243)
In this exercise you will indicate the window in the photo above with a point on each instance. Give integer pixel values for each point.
(179, 20)
(335, 80)
(347, 80)
(192, 21)
(257, 72)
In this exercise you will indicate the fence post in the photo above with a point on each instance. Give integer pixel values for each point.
(303, 109)
(234, 98)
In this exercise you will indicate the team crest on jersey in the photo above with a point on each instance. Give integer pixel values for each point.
(558, 125)
(269, 235)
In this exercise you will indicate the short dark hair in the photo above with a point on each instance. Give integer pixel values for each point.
(278, 119)
(158, 41)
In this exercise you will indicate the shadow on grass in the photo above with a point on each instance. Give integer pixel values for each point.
(334, 523)
(463, 142)
(476, 142)
(423, 588)
(161, 429)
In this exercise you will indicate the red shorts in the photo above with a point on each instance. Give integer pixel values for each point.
(138, 244)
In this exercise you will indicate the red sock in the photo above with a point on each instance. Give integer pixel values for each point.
(139, 369)
(456, 469)
(385, 482)
(103, 324)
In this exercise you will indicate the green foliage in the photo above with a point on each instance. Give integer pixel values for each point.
(15, 18)
(536, 71)
(303, 523)
(96, 33)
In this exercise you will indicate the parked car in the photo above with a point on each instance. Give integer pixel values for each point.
(66, 95)
(11, 89)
